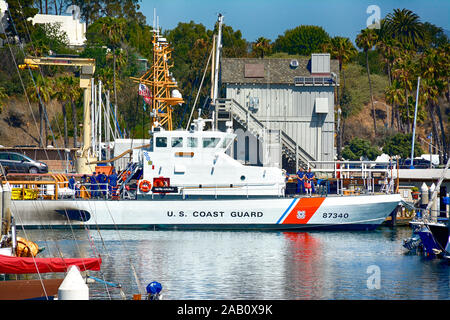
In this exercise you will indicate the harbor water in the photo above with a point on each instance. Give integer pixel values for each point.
(216, 265)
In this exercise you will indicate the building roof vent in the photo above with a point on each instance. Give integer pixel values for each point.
(293, 64)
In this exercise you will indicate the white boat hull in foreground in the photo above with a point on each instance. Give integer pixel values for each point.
(347, 212)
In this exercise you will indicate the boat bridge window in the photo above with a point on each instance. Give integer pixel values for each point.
(210, 142)
(192, 142)
(177, 142)
(226, 142)
(161, 142)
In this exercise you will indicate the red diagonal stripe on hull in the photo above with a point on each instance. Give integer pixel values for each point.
(308, 205)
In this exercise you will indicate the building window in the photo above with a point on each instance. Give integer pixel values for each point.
(177, 142)
(161, 142)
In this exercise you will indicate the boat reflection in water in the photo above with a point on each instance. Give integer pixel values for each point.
(304, 265)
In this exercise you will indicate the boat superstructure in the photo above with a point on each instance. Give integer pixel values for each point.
(196, 162)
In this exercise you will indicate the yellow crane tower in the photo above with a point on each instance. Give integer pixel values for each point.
(161, 84)
(87, 69)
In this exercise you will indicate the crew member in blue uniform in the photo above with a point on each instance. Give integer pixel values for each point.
(310, 176)
(300, 181)
(72, 183)
(102, 180)
(112, 182)
(94, 187)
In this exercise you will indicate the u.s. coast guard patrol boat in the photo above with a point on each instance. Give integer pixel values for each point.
(188, 181)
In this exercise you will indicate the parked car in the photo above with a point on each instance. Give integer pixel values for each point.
(16, 162)
(417, 163)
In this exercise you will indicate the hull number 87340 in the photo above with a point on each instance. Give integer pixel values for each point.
(334, 215)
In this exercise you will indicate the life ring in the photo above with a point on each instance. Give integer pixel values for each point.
(145, 186)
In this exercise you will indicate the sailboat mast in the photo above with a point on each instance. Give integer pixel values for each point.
(217, 57)
(215, 90)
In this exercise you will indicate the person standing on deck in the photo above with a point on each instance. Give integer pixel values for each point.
(300, 181)
(94, 187)
(112, 182)
(310, 176)
(72, 185)
(102, 180)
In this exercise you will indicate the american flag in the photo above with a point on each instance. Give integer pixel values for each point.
(145, 92)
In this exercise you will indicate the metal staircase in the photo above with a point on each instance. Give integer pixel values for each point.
(229, 109)
(127, 174)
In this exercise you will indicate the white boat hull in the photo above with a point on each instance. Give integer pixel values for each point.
(355, 212)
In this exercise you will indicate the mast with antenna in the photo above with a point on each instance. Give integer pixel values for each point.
(162, 85)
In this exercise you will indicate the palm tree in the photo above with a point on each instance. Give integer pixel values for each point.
(430, 95)
(62, 94)
(342, 49)
(75, 94)
(262, 47)
(404, 69)
(405, 26)
(366, 40)
(395, 97)
(388, 47)
(113, 30)
(41, 93)
(434, 66)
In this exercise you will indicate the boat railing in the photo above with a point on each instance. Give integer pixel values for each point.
(53, 190)
(370, 173)
(246, 188)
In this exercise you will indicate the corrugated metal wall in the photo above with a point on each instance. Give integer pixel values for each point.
(292, 109)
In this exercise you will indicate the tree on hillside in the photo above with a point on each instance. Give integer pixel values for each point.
(434, 36)
(190, 42)
(62, 94)
(41, 93)
(359, 148)
(342, 49)
(405, 26)
(388, 47)
(233, 45)
(404, 70)
(18, 23)
(366, 40)
(261, 47)
(434, 66)
(302, 40)
(395, 97)
(75, 93)
(400, 145)
(113, 30)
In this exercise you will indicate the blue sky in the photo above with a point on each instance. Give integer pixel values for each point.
(270, 18)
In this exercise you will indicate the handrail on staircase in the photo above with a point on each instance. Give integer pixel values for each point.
(286, 139)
